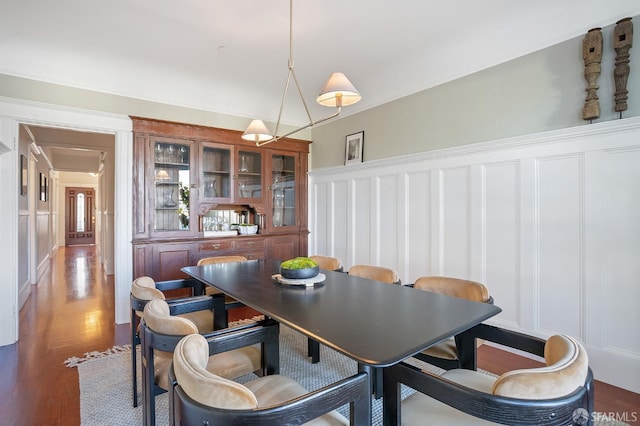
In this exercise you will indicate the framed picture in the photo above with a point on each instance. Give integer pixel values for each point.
(24, 175)
(353, 148)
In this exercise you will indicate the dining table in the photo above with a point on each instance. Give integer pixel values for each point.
(374, 323)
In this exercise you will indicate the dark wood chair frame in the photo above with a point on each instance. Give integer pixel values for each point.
(353, 390)
(499, 409)
(265, 332)
(196, 288)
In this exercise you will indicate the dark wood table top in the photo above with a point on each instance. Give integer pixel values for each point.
(374, 323)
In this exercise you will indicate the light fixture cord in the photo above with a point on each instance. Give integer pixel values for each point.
(291, 72)
(304, 103)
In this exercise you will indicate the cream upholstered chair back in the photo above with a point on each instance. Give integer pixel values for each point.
(327, 263)
(566, 370)
(445, 353)
(157, 316)
(190, 359)
(455, 287)
(378, 273)
(212, 260)
(554, 391)
(220, 259)
(144, 288)
(267, 392)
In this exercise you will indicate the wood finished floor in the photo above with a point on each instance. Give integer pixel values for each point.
(71, 312)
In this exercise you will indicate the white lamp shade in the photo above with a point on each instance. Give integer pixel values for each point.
(162, 174)
(257, 131)
(338, 91)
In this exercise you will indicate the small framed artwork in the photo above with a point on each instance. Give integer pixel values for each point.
(23, 175)
(353, 148)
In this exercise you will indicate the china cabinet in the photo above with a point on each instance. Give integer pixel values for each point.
(195, 185)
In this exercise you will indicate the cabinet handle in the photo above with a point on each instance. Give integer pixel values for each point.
(216, 246)
(251, 243)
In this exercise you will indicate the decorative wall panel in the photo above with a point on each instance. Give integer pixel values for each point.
(559, 284)
(502, 244)
(622, 276)
(548, 222)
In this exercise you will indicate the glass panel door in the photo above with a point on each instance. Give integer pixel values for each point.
(172, 180)
(283, 194)
(249, 181)
(215, 180)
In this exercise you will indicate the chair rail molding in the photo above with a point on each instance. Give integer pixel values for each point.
(547, 221)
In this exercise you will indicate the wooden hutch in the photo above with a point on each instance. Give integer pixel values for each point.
(194, 185)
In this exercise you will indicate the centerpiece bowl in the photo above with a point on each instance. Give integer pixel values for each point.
(299, 268)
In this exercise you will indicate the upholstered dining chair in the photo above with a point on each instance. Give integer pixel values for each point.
(378, 273)
(328, 263)
(145, 288)
(551, 395)
(201, 397)
(159, 334)
(230, 302)
(446, 354)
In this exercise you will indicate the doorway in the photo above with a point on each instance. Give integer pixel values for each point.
(80, 216)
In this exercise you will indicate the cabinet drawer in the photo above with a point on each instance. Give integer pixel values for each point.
(215, 245)
(254, 255)
(243, 244)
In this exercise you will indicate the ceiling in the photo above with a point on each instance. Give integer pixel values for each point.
(231, 56)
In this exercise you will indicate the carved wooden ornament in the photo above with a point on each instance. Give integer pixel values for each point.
(622, 41)
(592, 56)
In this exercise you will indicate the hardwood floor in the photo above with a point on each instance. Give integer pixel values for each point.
(71, 312)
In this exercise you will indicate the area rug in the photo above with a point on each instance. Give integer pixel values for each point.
(105, 381)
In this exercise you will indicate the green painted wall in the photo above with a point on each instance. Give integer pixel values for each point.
(542, 91)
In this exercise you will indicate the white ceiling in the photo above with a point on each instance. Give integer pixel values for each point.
(231, 56)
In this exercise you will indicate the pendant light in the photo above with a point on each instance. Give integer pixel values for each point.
(337, 92)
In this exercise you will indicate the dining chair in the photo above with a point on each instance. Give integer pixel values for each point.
(230, 302)
(145, 288)
(446, 354)
(328, 263)
(161, 329)
(560, 393)
(378, 273)
(385, 275)
(199, 396)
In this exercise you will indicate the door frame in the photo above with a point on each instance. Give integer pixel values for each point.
(14, 112)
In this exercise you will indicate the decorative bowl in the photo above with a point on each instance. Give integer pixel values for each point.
(299, 268)
(247, 229)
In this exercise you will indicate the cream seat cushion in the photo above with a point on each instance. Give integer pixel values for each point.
(566, 370)
(205, 387)
(144, 288)
(231, 364)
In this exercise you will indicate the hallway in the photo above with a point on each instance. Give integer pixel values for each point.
(69, 312)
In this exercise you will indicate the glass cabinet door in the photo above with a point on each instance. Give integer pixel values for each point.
(249, 176)
(283, 190)
(172, 183)
(215, 179)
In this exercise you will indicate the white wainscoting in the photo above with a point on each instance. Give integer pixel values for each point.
(550, 222)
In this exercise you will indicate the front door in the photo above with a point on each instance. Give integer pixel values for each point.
(79, 216)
